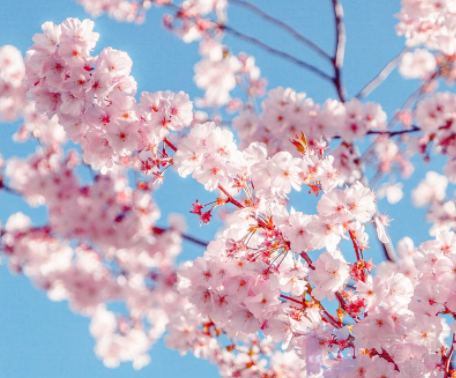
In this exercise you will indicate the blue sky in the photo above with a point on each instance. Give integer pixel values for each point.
(43, 339)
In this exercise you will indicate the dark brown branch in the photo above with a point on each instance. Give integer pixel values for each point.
(414, 129)
(195, 240)
(283, 25)
(339, 49)
(159, 231)
(394, 133)
(279, 53)
(382, 75)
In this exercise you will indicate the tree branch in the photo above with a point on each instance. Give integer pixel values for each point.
(292, 300)
(414, 129)
(339, 52)
(388, 250)
(381, 76)
(230, 197)
(394, 133)
(279, 53)
(262, 45)
(160, 230)
(343, 305)
(283, 25)
(306, 257)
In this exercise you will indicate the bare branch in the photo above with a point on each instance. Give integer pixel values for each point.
(159, 230)
(339, 49)
(388, 250)
(283, 25)
(262, 45)
(394, 133)
(194, 240)
(382, 75)
(414, 129)
(277, 52)
(413, 98)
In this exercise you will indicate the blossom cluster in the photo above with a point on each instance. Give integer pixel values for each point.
(120, 10)
(286, 113)
(119, 256)
(435, 116)
(12, 72)
(134, 11)
(93, 97)
(430, 23)
(219, 72)
(14, 103)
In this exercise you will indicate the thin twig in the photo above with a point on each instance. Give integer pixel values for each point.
(412, 99)
(293, 300)
(283, 25)
(262, 45)
(388, 247)
(159, 230)
(277, 52)
(382, 75)
(230, 197)
(339, 49)
(194, 240)
(333, 321)
(413, 129)
(394, 133)
(343, 305)
(330, 318)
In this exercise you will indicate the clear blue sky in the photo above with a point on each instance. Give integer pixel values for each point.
(43, 339)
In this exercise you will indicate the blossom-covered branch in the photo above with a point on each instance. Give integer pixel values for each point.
(282, 289)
